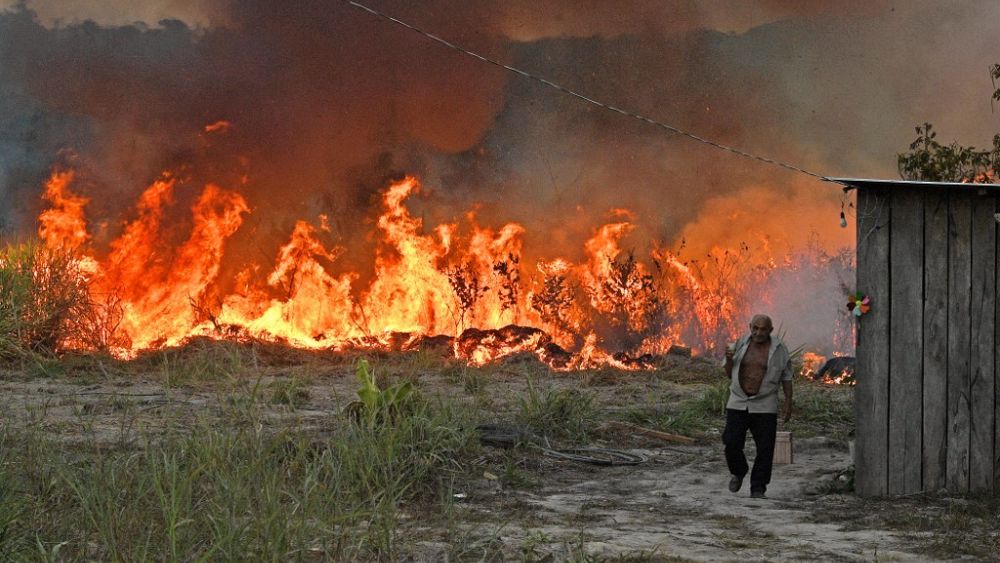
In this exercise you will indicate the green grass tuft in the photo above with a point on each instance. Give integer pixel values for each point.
(558, 413)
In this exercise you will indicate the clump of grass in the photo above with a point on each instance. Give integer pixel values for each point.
(15, 537)
(202, 361)
(711, 404)
(559, 413)
(691, 417)
(413, 364)
(822, 410)
(82, 367)
(291, 391)
(840, 483)
(941, 526)
(515, 477)
(237, 491)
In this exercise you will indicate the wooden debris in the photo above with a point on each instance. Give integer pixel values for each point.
(650, 433)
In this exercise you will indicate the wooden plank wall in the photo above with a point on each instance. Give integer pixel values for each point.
(935, 384)
(982, 333)
(926, 402)
(959, 285)
(906, 355)
(871, 395)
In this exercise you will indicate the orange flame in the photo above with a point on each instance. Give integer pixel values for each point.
(456, 283)
(63, 225)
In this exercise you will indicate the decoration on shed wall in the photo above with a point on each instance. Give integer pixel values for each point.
(859, 304)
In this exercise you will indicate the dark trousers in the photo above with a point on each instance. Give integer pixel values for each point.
(762, 427)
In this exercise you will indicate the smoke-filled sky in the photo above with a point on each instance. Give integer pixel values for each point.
(327, 102)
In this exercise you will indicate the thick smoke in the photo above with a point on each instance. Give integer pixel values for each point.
(327, 102)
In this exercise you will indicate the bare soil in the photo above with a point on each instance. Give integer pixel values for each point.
(522, 504)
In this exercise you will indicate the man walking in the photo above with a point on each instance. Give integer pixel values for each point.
(756, 365)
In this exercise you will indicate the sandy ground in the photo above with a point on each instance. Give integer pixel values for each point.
(675, 506)
(678, 505)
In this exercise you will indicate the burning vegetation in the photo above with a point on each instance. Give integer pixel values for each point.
(463, 289)
(259, 193)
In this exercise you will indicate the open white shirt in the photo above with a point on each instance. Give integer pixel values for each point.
(779, 368)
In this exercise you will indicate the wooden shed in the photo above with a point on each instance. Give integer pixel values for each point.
(926, 405)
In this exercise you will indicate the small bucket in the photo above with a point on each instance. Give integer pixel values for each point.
(783, 447)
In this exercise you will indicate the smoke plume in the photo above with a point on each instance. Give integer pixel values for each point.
(310, 107)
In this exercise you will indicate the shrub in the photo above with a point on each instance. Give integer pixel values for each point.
(42, 294)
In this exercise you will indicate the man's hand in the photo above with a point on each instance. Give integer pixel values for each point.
(787, 411)
(727, 369)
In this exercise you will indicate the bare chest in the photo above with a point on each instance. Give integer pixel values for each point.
(755, 358)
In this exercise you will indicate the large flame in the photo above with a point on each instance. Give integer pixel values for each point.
(463, 286)
(63, 224)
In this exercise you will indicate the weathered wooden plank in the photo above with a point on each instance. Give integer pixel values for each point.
(906, 251)
(872, 371)
(935, 345)
(996, 358)
(959, 342)
(982, 308)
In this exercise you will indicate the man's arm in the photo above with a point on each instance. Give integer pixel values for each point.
(787, 386)
(728, 366)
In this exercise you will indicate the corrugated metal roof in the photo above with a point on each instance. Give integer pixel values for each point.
(874, 183)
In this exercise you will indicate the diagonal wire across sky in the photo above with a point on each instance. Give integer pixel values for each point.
(583, 97)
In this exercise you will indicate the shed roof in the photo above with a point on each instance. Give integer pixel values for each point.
(871, 183)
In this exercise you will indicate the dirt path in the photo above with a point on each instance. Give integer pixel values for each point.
(674, 507)
(677, 506)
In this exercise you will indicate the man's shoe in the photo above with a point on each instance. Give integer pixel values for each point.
(757, 494)
(735, 483)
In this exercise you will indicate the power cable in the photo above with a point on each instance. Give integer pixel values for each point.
(583, 97)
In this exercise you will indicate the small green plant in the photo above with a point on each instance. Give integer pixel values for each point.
(711, 403)
(532, 548)
(513, 476)
(375, 405)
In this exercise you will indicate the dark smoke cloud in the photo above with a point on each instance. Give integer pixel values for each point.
(836, 93)
(519, 20)
(526, 20)
(327, 102)
(316, 96)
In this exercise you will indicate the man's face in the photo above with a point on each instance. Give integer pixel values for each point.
(760, 330)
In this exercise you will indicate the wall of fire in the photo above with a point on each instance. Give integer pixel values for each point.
(927, 365)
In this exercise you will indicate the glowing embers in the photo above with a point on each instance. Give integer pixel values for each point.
(459, 287)
(838, 370)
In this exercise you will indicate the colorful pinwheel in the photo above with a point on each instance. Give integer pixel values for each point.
(859, 304)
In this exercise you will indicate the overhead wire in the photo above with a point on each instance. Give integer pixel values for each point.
(583, 97)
